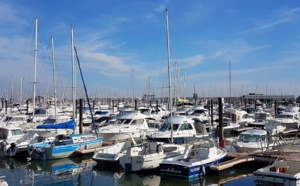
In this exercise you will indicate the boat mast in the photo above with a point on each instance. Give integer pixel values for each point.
(73, 73)
(169, 73)
(229, 83)
(21, 91)
(35, 63)
(54, 82)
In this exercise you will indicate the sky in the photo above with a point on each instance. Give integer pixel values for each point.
(218, 48)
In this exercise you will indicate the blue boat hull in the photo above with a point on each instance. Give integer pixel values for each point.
(47, 151)
(185, 172)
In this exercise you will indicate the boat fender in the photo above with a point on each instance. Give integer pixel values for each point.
(3, 145)
(13, 146)
(11, 149)
(203, 170)
(159, 148)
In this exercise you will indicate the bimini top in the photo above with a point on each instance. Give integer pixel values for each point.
(64, 125)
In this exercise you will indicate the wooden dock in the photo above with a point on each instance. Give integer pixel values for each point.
(105, 144)
(89, 150)
(239, 158)
(230, 163)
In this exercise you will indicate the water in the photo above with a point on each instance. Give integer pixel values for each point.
(72, 171)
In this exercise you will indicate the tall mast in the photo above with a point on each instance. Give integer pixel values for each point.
(73, 73)
(35, 63)
(169, 73)
(54, 82)
(12, 90)
(229, 82)
(21, 91)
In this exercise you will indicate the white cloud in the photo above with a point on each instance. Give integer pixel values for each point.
(190, 62)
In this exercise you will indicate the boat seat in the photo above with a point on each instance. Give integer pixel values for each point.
(281, 164)
(203, 153)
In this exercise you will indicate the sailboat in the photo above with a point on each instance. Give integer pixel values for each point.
(54, 124)
(65, 145)
(199, 153)
(150, 154)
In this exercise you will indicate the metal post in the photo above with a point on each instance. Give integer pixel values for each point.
(80, 116)
(221, 133)
(211, 112)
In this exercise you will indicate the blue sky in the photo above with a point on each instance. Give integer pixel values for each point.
(122, 46)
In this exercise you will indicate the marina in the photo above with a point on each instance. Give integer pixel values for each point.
(73, 126)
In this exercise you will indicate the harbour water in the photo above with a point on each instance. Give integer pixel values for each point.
(81, 171)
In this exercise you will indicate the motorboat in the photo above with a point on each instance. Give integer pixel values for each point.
(112, 153)
(133, 123)
(63, 146)
(275, 126)
(177, 129)
(13, 141)
(260, 119)
(149, 155)
(99, 114)
(233, 119)
(201, 114)
(195, 162)
(13, 120)
(284, 171)
(253, 140)
(291, 120)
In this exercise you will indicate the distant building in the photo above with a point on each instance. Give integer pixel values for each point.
(252, 97)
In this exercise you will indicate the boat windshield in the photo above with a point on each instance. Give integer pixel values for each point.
(3, 134)
(261, 116)
(101, 112)
(285, 116)
(167, 126)
(50, 121)
(7, 118)
(123, 121)
(199, 112)
(249, 138)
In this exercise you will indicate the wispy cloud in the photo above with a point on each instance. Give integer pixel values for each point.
(284, 16)
(266, 26)
(190, 62)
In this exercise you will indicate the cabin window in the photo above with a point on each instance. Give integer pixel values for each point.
(186, 126)
(175, 126)
(164, 127)
(123, 121)
(167, 126)
(16, 132)
(127, 121)
(248, 138)
(137, 122)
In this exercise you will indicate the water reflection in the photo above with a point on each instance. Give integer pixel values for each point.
(59, 172)
(70, 171)
(133, 179)
(60, 167)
